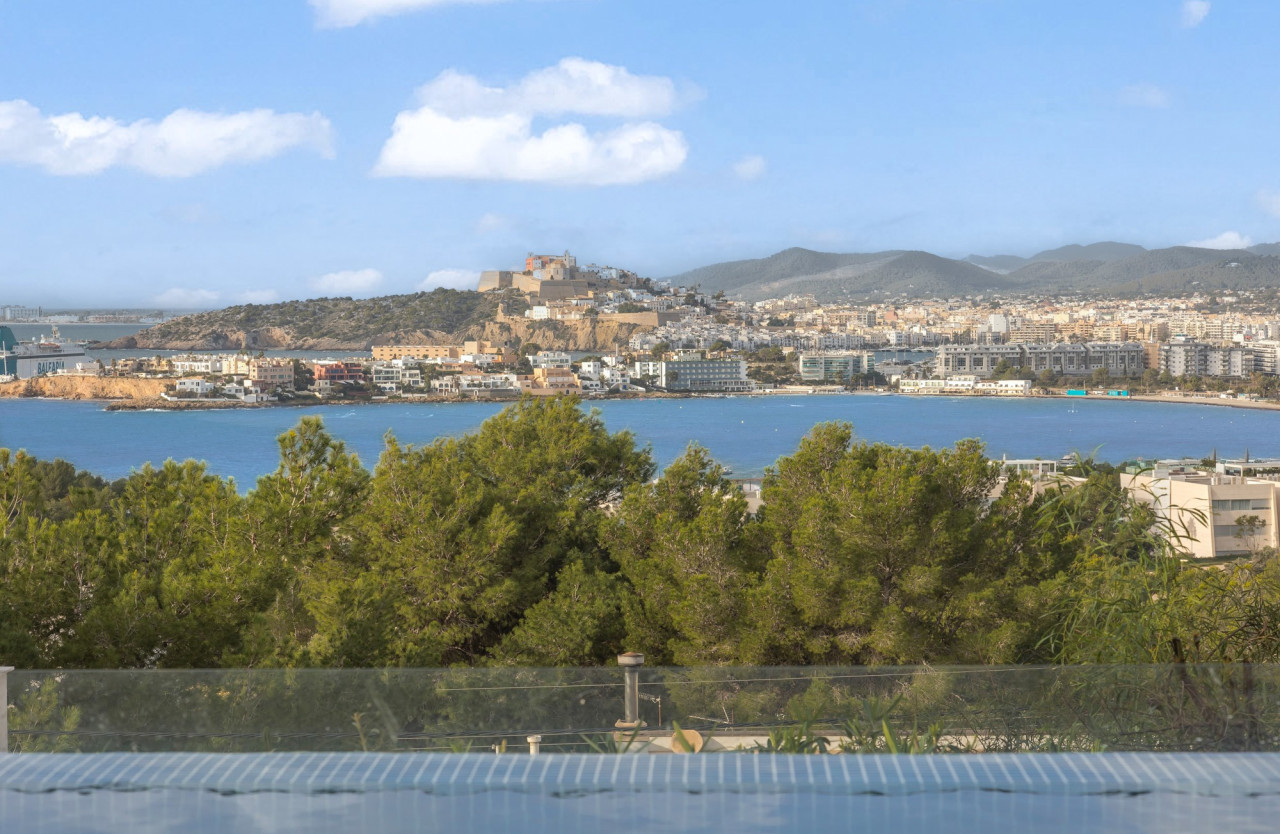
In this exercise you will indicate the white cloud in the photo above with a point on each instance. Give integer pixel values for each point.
(1144, 95)
(347, 282)
(455, 279)
(466, 130)
(180, 298)
(182, 144)
(1194, 12)
(1269, 201)
(337, 14)
(258, 297)
(1226, 240)
(750, 167)
(491, 222)
(575, 85)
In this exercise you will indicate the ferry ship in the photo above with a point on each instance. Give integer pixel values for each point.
(45, 355)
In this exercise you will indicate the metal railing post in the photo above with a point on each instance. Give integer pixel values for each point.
(630, 663)
(4, 708)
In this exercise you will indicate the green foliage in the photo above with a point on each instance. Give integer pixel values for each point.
(344, 319)
(799, 739)
(461, 538)
(611, 743)
(690, 552)
(890, 555)
(579, 623)
(39, 723)
(542, 539)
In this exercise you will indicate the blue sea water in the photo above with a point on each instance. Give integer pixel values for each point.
(746, 433)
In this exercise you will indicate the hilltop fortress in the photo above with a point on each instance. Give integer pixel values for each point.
(557, 277)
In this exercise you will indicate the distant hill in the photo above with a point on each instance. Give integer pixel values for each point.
(1107, 267)
(785, 265)
(1045, 275)
(1226, 273)
(1002, 264)
(906, 273)
(1065, 276)
(1105, 251)
(324, 323)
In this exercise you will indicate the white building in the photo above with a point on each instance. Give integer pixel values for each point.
(705, 375)
(1187, 357)
(1213, 514)
(550, 359)
(1120, 359)
(196, 387)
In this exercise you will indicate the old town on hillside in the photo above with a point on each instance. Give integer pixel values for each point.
(672, 339)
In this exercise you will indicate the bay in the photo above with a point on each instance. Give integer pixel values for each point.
(746, 433)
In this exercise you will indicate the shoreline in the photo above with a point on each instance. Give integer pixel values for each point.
(1260, 405)
(156, 404)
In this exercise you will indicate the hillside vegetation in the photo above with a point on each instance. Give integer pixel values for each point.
(326, 323)
(1106, 268)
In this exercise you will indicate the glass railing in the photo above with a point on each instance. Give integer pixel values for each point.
(811, 709)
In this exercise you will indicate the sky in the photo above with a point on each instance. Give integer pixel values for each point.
(199, 154)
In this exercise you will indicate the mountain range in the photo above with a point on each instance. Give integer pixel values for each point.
(1110, 268)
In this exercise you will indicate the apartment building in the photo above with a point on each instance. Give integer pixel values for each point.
(270, 374)
(1120, 359)
(836, 367)
(967, 384)
(1187, 357)
(390, 377)
(1212, 514)
(332, 370)
(550, 359)
(1266, 356)
(705, 375)
(477, 385)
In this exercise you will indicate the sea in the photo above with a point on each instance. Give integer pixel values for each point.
(745, 433)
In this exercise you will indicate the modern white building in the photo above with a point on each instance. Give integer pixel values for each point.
(196, 386)
(967, 384)
(705, 375)
(1181, 356)
(836, 367)
(392, 376)
(476, 384)
(550, 359)
(1211, 513)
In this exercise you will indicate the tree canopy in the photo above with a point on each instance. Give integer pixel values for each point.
(544, 539)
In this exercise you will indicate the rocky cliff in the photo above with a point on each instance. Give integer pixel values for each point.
(85, 388)
(583, 335)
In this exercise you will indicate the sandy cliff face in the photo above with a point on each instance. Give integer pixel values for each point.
(85, 388)
(585, 335)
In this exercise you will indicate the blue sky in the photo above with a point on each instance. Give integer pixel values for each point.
(205, 154)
